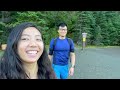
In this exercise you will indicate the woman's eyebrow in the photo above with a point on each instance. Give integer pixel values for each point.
(25, 35)
(38, 35)
(29, 35)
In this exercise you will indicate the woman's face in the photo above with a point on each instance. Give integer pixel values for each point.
(30, 46)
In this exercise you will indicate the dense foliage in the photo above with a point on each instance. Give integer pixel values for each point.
(102, 27)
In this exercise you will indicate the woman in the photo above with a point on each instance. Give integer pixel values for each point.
(25, 56)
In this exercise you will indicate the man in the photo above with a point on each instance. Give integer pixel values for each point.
(62, 49)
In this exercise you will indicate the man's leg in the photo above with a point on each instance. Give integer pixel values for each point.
(56, 70)
(64, 72)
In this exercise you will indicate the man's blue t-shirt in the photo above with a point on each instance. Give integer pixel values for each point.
(61, 51)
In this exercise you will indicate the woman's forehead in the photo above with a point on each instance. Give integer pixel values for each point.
(31, 31)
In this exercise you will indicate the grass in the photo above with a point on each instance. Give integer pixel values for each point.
(90, 46)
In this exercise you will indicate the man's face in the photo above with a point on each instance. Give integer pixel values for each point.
(62, 31)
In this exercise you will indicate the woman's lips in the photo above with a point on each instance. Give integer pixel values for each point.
(32, 53)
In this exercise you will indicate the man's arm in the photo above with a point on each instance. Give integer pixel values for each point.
(50, 57)
(72, 56)
(51, 48)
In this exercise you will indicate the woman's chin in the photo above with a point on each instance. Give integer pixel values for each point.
(31, 60)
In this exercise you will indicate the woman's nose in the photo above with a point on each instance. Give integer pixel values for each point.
(32, 43)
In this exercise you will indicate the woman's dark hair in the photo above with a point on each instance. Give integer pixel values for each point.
(11, 65)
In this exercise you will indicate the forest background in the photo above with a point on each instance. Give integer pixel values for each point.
(102, 27)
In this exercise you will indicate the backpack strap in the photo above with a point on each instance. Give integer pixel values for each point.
(52, 49)
(70, 42)
(54, 43)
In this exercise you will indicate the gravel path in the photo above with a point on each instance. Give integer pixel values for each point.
(97, 63)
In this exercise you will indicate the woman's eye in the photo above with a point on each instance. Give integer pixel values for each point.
(39, 39)
(24, 39)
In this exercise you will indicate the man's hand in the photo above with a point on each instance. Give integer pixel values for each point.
(71, 71)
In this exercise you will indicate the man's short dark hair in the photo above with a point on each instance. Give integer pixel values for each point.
(62, 25)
